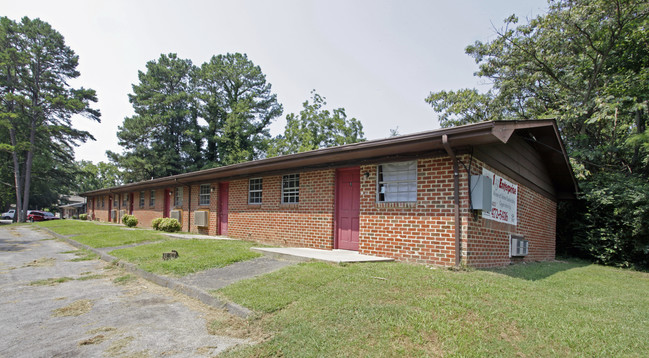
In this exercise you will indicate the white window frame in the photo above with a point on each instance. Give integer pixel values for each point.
(255, 190)
(396, 182)
(291, 188)
(178, 196)
(204, 194)
(125, 200)
(141, 199)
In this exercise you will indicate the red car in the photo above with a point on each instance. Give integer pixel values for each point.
(36, 215)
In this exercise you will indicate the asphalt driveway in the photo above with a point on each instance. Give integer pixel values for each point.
(55, 307)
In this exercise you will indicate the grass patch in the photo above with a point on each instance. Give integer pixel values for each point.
(89, 277)
(82, 255)
(123, 280)
(42, 262)
(50, 281)
(76, 308)
(194, 255)
(394, 309)
(98, 236)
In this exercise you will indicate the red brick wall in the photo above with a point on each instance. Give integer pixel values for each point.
(421, 232)
(488, 240)
(212, 229)
(147, 213)
(307, 224)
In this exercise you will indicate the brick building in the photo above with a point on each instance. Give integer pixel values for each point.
(482, 194)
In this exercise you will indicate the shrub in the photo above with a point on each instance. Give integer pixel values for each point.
(130, 220)
(83, 217)
(169, 225)
(155, 224)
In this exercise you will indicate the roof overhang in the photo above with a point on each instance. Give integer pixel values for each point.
(411, 145)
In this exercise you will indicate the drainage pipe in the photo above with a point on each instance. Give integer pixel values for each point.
(456, 198)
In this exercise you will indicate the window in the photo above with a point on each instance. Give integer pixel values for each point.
(152, 198)
(102, 201)
(178, 197)
(125, 200)
(141, 199)
(204, 196)
(254, 191)
(291, 188)
(397, 182)
(116, 201)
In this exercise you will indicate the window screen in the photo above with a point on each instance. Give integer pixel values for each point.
(397, 182)
(204, 196)
(152, 198)
(178, 197)
(254, 191)
(291, 188)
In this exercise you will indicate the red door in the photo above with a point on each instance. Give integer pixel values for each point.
(167, 202)
(223, 208)
(348, 199)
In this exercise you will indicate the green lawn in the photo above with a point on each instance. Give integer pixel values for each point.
(99, 235)
(194, 255)
(394, 309)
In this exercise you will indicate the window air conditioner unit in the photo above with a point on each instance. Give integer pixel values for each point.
(176, 214)
(200, 218)
(113, 215)
(518, 246)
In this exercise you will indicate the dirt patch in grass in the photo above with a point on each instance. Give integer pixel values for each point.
(76, 308)
(42, 262)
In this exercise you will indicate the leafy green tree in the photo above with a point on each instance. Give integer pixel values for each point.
(90, 176)
(37, 103)
(238, 106)
(162, 138)
(586, 64)
(316, 127)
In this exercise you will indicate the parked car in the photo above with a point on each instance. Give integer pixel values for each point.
(9, 215)
(36, 215)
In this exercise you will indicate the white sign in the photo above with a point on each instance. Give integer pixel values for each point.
(504, 199)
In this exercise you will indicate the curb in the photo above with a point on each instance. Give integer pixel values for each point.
(191, 291)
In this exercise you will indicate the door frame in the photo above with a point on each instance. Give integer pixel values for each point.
(337, 201)
(223, 187)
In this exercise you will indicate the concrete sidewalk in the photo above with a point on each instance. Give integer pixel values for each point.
(306, 254)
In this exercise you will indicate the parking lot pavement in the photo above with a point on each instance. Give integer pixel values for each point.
(54, 307)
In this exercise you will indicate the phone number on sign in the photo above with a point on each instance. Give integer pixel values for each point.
(499, 214)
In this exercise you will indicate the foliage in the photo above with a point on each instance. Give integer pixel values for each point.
(316, 128)
(586, 64)
(37, 104)
(571, 309)
(161, 139)
(238, 106)
(155, 223)
(166, 224)
(129, 220)
(83, 216)
(90, 176)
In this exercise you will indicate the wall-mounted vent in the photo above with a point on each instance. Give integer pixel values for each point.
(518, 246)
(176, 214)
(481, 193)
(200, 218)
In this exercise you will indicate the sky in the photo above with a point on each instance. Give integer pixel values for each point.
(377, 59)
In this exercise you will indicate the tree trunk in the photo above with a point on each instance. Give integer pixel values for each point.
(19, 215)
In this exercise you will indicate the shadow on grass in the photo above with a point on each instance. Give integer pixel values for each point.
(535, 271)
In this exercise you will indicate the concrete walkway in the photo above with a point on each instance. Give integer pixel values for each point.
(305, 254)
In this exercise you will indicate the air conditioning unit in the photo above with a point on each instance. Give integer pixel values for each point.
(176, 214)
(113, 215)
(200, 218)
(518, 246)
